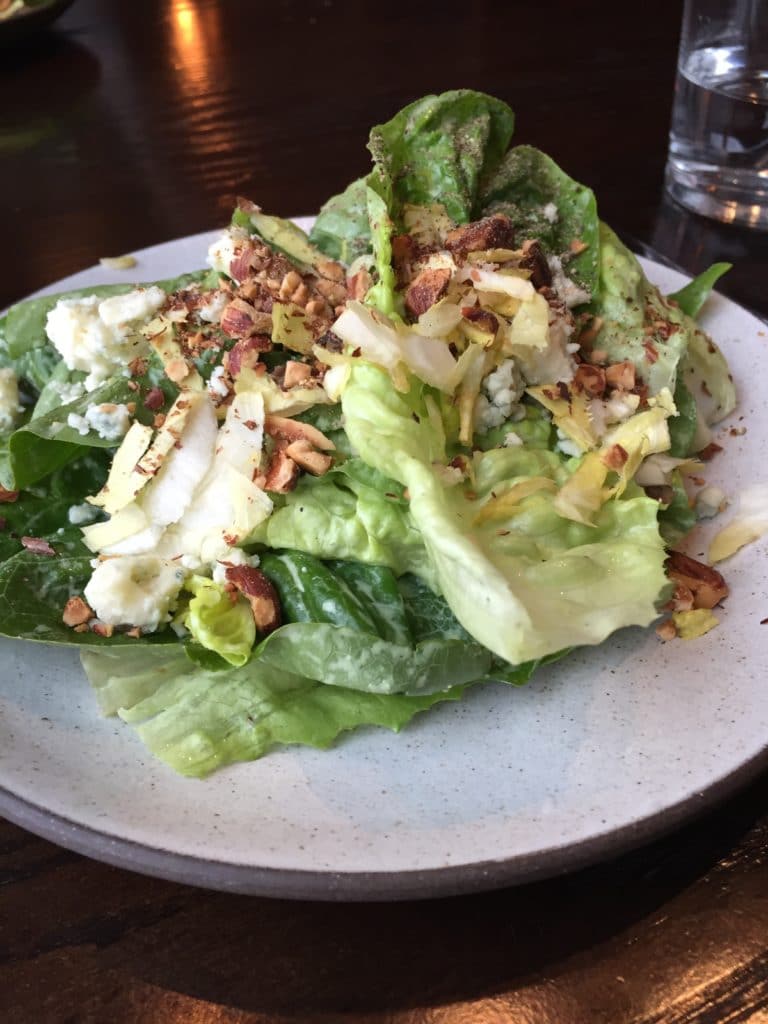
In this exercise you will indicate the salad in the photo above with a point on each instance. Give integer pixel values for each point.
(334, 479)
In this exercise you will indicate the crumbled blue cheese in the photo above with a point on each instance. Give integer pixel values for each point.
(571, 293)
(10, 407)
(101, 336)
(109, 421)
(80, 515)
(68, 391)
(217, 384)
(213, 307)
(566, 445)
(512, 439)
(225, 249)
(137, 590)
(550, 213)
(499, 400)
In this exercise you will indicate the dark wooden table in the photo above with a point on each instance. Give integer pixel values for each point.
(132, 123)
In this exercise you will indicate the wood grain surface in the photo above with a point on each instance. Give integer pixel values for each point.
(130, 123)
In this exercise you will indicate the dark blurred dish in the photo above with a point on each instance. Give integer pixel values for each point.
(19, 18)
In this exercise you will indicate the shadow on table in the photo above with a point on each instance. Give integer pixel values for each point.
(277, 956)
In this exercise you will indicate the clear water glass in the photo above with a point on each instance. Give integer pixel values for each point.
(718, 145)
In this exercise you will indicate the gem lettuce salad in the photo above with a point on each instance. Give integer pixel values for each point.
(337, 478)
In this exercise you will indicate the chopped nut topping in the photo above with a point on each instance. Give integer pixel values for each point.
(295, 373)
(176, 370)
(304, 455)
(332, 270)
(710, 451)
(155, 399)
(494, 232)
(621, 375)
(705, 583)
(666, 630)
(590, 379)
(282, 473)
(427, 287)
(615, 457)
(260, 593)
(535, 261)
(6, 497)
(245, 354)
(37, 546)
(102, 628)
(285, 429)
(76, 612)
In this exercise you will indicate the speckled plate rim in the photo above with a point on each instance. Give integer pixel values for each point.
(285, 883)
(372, 886)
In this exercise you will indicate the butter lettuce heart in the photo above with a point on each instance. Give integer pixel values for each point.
(522, 580)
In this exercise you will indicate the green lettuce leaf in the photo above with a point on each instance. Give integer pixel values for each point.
(218, 624)
(523, 184)
(342, 230)
(692, 296)
(438, 149)
(197, 720)
(553, 583)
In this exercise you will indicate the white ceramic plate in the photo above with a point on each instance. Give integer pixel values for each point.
(607, 748)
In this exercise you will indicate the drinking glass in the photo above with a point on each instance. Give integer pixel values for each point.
(718, 144)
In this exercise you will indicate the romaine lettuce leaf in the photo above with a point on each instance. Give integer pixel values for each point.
(533, 583)
(342, 229)
(197, 720)
(693, 296)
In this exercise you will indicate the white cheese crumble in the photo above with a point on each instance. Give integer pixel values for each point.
(566, 445)
(68, 391)
(571, 293)
(213, 307)
(101, 336)
(512, 439)
(79, 515)
(550, 213)
(10, 407)
(134, 590)
(109, 421)
(502, 390)
(225, 249)
(217, 385)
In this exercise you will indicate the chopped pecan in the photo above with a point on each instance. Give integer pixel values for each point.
(494, 232)
(705, 583)
(404, 252)
(666, 630)
(304, 455)
(284, 429)
(358, 285)
(651, 352)
(237, 320)
(176, 370)
(332, 291)
(282, 473)
(590, 379)
(427, 287)
(6, 497)
(681, 600)
(102, 628)
(76, 612)
(295, 373)
(245, 354)
(332, 270)
(240, 265)
(535, 261)
(318, 307)
(615, 457)
(621, 375)
(260, 593)
(37, 546)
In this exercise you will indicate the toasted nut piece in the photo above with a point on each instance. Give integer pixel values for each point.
(240, 265)
(245, 353)
(301, 295)
(535, 261)
(289, 284)
(482, 318)
(359, 284)
(102, 628)
(681, 600)
(334, 292)
(706, 584)
(332, 270)
(293, 430)
(304, 455)
(237, 320)
(666, 630)
(577, 246)
(318, 307)
(295, 373)
(76, 612)
(261, 595)
(615, 457)
(427, 287)
(176, 370)
(621, 375)
(590, 379)
(282, 473)
(494, 232)
(37, 546)
(8, 496)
